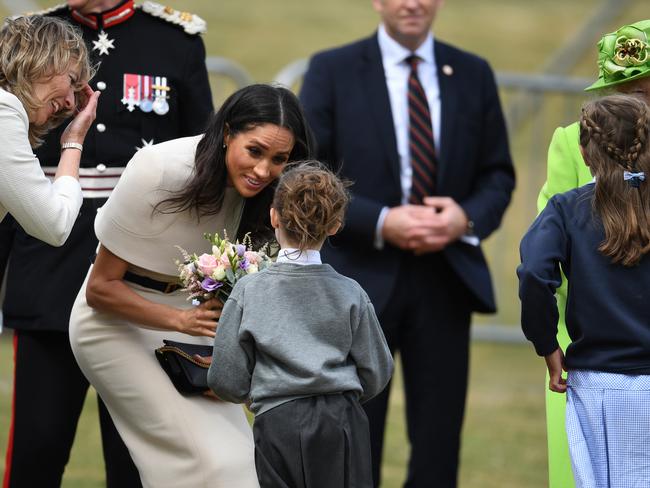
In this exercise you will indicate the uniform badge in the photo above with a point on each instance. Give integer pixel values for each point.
(149, 93)
(103, 43)
(146, 104)
(160, 89)
(132, 91)
(145, 143)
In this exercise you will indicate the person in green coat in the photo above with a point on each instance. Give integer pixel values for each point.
(624, 66)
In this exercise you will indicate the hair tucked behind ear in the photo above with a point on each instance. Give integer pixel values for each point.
(247, 108)
(614, 138)
(310, 202)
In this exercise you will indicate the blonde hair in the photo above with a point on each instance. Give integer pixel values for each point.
(33, 49)
(310, 201)
(614, 139)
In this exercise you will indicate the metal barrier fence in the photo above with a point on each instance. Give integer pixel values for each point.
(534, 106)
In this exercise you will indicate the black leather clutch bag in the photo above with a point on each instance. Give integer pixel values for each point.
(188, 375)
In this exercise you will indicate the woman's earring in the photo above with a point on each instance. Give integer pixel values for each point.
(225, 147)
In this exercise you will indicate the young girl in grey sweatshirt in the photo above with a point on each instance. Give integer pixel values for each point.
(303, 345)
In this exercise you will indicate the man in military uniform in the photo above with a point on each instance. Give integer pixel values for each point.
(154, 87)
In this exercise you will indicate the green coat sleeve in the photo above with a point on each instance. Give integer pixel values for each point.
(565, 167)
(566, 170)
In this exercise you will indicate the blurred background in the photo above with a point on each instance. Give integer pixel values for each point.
(544, 54)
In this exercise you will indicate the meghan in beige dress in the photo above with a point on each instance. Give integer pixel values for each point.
(170, 195)
(175, 440)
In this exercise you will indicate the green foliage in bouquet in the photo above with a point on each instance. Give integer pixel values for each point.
(214, 274)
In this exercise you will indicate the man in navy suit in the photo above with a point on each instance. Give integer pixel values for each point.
(412, 236)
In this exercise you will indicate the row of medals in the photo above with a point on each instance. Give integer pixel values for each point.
(158, 105)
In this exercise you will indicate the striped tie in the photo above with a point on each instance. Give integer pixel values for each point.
(421, 144)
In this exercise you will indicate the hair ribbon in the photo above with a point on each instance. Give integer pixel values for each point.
(634, 179)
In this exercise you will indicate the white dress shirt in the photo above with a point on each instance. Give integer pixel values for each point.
(296, 256)
(397, 71)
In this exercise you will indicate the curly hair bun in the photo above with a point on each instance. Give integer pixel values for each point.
(310, 202)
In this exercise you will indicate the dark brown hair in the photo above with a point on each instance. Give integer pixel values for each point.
(614, 139)
(244, 110)
(310, 201)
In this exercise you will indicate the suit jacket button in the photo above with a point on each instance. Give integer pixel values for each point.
(101, 85)
(101, 167)
(101, 127)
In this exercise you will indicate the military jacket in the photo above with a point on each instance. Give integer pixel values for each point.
(133, 48)
(154, 87)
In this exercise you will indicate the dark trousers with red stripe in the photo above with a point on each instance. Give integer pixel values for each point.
(427, 320)
(49, 392)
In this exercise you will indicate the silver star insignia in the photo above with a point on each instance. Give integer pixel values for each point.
(144, 144)
(103, 43)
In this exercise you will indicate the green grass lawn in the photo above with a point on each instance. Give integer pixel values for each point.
(504, 439)
(504, 442)
(513, 35)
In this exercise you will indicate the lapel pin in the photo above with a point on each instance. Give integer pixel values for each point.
(448, 70)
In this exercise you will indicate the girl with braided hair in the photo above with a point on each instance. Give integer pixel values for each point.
(302, 343)
(599, 236)
(623, 62)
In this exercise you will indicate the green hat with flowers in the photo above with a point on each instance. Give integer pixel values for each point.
(623, 55)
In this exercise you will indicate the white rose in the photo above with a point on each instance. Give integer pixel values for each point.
(252, 268)
(219, 273)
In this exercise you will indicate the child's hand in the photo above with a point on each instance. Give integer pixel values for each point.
(207, 360)
(555, 365)
(211, 394)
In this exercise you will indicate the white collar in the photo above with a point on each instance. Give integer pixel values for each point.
(296, 256)
(393, 53)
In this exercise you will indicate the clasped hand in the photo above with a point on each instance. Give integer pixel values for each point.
(425, 228)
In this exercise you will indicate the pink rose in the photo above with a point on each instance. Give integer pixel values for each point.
(207, 264)
(225, 260)
(251, 256)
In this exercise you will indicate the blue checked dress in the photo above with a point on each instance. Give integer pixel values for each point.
(608, 427)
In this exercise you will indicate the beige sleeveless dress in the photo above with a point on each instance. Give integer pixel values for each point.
(175, 440)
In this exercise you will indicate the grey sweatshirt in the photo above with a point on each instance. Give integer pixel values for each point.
(293, 331)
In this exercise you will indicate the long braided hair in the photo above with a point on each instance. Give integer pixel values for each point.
(614, 141)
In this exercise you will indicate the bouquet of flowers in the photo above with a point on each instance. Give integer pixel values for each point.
(213, 275)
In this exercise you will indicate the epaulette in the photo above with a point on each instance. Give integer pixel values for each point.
(50, 10)
(192, 24)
